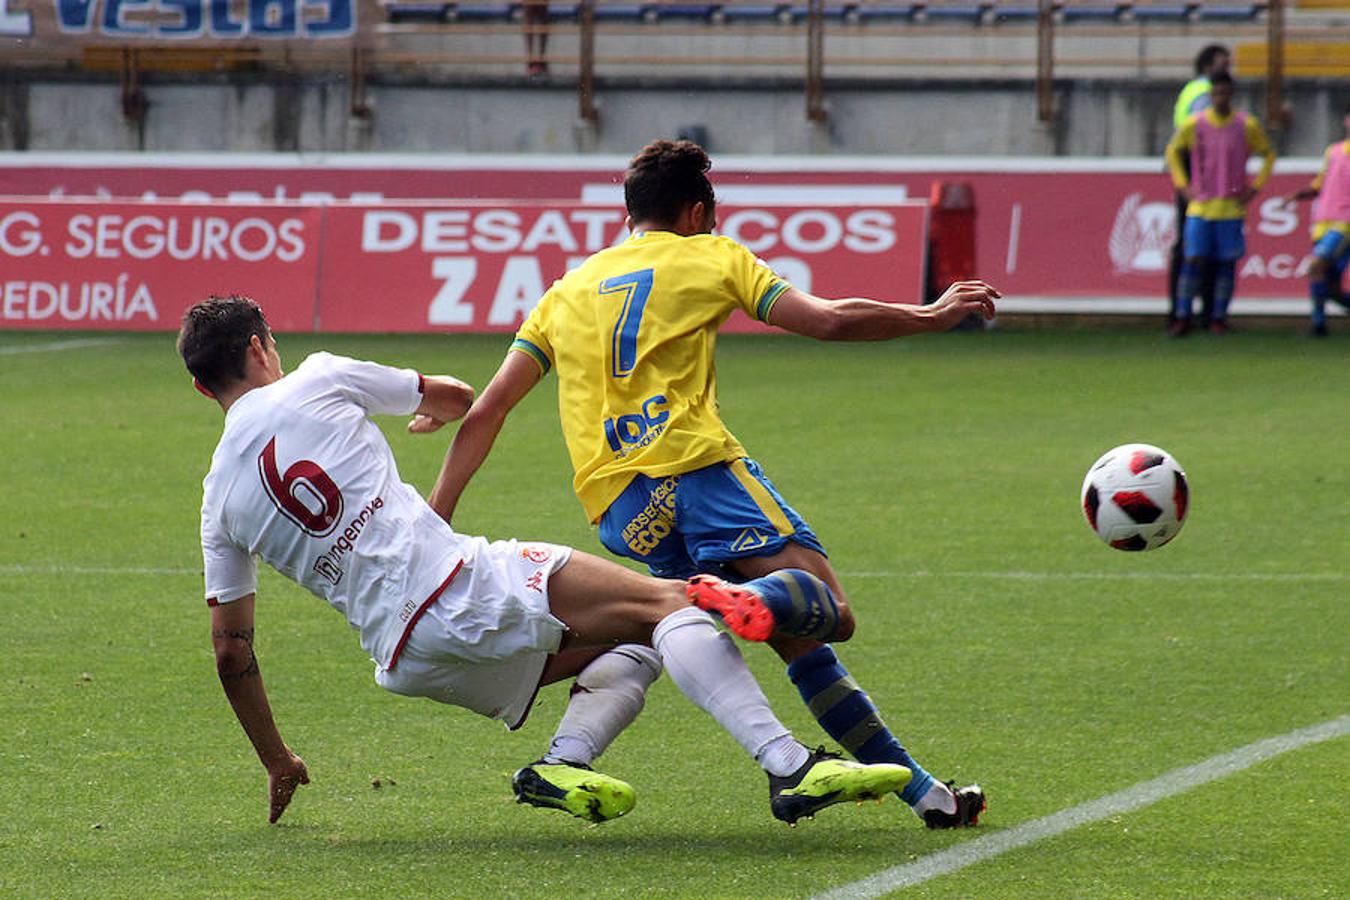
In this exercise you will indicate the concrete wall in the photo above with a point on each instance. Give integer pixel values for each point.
(906, 117)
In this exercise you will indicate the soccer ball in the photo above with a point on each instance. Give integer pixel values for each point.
(1135, 497)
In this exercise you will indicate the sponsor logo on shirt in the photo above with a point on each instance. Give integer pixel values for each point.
(628, 432)
(329, 565)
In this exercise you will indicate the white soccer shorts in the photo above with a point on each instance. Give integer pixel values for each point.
(483, 644)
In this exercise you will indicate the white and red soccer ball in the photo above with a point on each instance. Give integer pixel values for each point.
(1135, 497)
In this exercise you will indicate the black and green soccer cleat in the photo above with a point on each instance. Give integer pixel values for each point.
(575, 789)
(969, 804)
(825, 779)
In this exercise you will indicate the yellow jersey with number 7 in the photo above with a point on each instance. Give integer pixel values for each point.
(631, 334)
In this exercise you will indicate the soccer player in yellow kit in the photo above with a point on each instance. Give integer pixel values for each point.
(631, 334)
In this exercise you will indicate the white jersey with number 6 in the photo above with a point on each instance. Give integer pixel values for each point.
(303, 478)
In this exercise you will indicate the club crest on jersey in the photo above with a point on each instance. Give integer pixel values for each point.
(535, 554)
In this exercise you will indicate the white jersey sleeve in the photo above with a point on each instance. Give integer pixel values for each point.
(231, 572)
(375, 388)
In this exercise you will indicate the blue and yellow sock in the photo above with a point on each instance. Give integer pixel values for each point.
(848, 715)
(1225, 276)
(1321, 291)
(1188, 284)
(802, 604)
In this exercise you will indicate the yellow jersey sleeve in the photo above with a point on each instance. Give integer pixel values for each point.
(753, 283)
(532, 337)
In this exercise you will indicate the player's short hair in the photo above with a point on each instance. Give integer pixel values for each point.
(665, 178)
(214, 335)
(1205, 58)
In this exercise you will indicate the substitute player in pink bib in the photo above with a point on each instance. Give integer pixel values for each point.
(1330, 229)
(1219, 139)
(304, 479)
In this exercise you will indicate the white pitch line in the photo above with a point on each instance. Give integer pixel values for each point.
(95, 570)
(1115, 576)
(58, 345)
(1140, 795)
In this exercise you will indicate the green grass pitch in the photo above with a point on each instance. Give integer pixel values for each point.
(1003, 642)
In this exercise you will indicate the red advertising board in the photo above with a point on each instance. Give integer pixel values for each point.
(137, 266)
(483, 266)
(386, 267)
(1092, 232)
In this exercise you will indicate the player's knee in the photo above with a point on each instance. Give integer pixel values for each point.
(627, 670)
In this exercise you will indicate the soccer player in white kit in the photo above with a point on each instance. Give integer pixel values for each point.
(303, 478)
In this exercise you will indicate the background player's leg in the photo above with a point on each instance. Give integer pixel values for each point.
(834, 698)
(1176, 258)
(1225, 274)
(1319, 287)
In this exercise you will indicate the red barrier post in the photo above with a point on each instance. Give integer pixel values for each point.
(951, 235)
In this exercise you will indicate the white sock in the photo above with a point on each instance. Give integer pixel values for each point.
(938, 796)
(783, 756)
(708, 669)
(606, 697)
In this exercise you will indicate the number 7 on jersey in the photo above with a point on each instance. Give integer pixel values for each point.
(635, 287)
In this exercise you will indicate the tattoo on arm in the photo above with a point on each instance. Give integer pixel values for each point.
(250, 670)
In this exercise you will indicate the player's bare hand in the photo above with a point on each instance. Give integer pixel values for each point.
(282, 780)
(1246, 195)
(962, 299)
(1187, 193)
(424, 424)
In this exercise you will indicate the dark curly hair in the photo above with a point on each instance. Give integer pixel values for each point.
(214, 335)
(664, 179)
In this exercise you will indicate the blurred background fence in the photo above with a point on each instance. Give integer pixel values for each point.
(1020, 77)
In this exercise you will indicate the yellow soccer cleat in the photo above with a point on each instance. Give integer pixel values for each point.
(576, 789)
(825, 779)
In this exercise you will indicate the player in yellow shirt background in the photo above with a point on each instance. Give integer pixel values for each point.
(631, 335)
(1219, 140)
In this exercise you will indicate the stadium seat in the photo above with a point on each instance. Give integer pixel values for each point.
(883, 11)
(1015, 11)
(954, 10)
(753, 12)
(405, 13)
(563, 12)
(664, 10)
(620, 12)
(833, 10)
(1229, 12)
(484, 12)
(1091, 10)
(1160, 10)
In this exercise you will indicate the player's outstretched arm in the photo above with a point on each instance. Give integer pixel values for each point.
(517, 375)
(237, 666)
(860, 319)
(444, 399)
